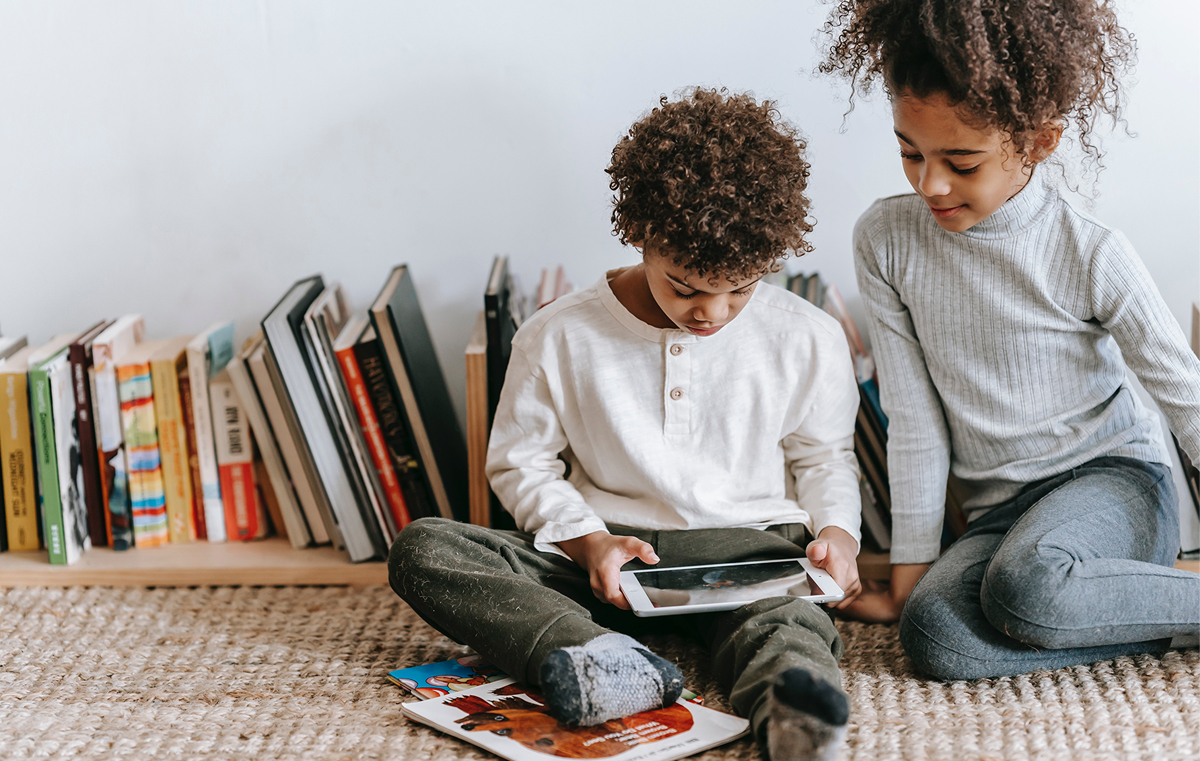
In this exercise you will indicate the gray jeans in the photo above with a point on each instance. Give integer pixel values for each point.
(1075, 569)
(493, 591)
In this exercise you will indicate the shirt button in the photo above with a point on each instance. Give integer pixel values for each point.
(676, 394)
(677, 350)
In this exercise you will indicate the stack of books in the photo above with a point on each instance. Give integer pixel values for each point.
(326, 427)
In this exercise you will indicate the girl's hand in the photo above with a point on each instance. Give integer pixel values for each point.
(835, 552)
(601, 554)
(882, 604)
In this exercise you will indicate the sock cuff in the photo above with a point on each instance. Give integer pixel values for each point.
(613, 640)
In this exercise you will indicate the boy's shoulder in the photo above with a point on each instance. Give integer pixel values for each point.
(565, 313)
(792, 315)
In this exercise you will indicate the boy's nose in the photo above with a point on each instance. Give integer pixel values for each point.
(714, 310)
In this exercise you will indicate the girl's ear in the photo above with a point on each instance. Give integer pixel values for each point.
(1046, 141)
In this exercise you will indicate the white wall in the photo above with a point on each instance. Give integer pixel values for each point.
(189, 160)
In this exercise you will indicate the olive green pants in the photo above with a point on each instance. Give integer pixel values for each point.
(492, 591)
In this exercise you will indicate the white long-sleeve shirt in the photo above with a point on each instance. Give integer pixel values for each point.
(997, 351)
(661, 429)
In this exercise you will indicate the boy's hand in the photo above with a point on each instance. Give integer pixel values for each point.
(882, 604)
(834, 552)
(601, 554)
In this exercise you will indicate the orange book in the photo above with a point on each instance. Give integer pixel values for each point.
(357, 390)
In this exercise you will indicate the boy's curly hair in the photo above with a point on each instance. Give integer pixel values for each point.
(1015, 65)
(715, 179)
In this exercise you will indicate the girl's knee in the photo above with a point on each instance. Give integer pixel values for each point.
(928, 636)
(1021, 597)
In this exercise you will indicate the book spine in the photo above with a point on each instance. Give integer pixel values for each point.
(235, 464)
(89, 462)
(206, 454)
(47, 461)
(111, 454)
(193, 458)
(357, 390)
(141, 448)
(391, 426)
(16, 453)
(181, 527)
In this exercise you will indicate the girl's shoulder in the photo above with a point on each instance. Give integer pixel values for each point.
(905, 211)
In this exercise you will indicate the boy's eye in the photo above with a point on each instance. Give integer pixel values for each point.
(682, 295)
(743, 292)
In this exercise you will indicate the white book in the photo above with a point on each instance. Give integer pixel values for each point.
(207, 355)
(108, 347)
(268, 448)
(512, 722)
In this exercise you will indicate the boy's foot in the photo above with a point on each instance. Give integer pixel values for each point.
(808, 718)
(610, 677)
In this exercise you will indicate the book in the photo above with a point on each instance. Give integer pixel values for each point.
(415, 373)
(478, 425)
(9, 346)
(875, 522)
(147, 495)
(300, 471)
(245, 516)
(56, 443)
(504, 306)
(273, 478)
(286, 341)
(512, 722)
(17, 471)
(187, 413)
(368, 421)
(323, 322)
(433, 680)
(168, 367)
(108, 347)
(208, 353)
(397, 437)
(81, 357)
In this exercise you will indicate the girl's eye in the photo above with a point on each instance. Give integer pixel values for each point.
(968, 170)
(909, 156)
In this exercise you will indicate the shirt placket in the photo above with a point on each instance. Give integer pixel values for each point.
(677, 383)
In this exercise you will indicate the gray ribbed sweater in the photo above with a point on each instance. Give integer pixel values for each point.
(996, 352)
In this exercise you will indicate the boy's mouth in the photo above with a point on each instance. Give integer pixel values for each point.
(703, 331)
(947, 212)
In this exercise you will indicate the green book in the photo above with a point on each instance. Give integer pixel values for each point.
(43, 364)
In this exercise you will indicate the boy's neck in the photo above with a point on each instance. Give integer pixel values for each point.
(633, 292)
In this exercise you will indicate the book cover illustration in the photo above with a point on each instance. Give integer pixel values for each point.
(512, 722)
(74, 517)
(148, 497)
(433, 680)
(117, 339)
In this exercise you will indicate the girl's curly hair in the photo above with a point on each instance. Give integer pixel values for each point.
(716, 180)
(1015, 65)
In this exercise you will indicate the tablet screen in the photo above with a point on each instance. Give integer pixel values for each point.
(738, 582)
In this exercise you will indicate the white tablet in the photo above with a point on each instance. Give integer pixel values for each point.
(724, 586)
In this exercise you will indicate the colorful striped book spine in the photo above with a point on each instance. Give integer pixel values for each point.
(136, 390)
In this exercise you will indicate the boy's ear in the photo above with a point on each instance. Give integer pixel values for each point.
(1046, 141)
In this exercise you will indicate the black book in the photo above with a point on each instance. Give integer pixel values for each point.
(502, 304)
(392, 426)
(290, 346)
(416, 377)
(93, 496)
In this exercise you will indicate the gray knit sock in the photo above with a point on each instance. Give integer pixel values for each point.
(807, 720)
(612, 676)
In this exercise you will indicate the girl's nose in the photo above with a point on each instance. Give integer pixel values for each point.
(934, 181)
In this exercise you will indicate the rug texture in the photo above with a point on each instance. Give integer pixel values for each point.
(299, 673)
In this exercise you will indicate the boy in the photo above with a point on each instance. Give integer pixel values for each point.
(677, 412)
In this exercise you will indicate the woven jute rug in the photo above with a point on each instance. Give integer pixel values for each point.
(299, 673)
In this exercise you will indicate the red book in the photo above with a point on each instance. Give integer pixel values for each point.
(185, 403)
(357, 389)
(245, 516)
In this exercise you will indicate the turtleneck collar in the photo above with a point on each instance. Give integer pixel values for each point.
(1019, 212)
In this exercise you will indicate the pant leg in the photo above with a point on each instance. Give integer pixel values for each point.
(752, 645)
(943, 627)
(492, 591)
(1093, 563)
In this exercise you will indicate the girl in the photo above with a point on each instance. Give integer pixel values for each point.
(994, 305)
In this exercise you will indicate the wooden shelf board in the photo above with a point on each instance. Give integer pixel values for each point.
(270, 562)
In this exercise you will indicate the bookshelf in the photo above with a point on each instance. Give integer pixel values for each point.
(270, 562)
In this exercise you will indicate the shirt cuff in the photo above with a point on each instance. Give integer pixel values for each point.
(854, 531)
(547, 537)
